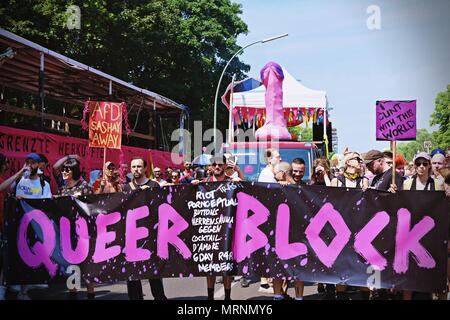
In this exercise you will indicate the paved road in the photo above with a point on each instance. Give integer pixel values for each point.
(177, 289)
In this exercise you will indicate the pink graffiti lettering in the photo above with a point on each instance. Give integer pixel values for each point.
(363, 240)
(80, 253)
(105, 237)
(283, 248)
(132, 252)
(407, 240)
(168, 235)
(42, 250)
(327, 254)
(248, 226)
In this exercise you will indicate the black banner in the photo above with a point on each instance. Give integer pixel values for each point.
(310, 233)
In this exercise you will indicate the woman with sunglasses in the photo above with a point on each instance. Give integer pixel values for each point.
(75, 186)
(353, 173)
(422, 180)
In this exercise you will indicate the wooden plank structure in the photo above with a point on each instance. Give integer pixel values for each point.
(31, 68)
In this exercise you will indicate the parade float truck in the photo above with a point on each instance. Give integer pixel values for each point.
(269, 109)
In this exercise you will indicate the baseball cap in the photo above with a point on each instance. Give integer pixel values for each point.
(372, 155)
(351, 155)
(33, 156)
(422, 155)
(436, 151)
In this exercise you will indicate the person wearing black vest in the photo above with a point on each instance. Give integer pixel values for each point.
(352, 178)
(141, 182)
(422, 180)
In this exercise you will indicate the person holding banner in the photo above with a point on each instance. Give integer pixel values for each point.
(352, 178)
(375, 162)
(141, 182)
(218, 163)
(421, 181)
(74, 186)
(445, 173)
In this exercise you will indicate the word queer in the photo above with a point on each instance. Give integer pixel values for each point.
(171, 225)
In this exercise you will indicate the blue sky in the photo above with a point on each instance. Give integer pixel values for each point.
(330, 48)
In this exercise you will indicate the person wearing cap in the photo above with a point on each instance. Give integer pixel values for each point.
(109, 183)
(31, 187)
(422, 180)
(375, 162)
(352, 176)
(218, 164)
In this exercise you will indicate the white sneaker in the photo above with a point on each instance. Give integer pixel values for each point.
(265, 290)
(23, 296)
(2, 292)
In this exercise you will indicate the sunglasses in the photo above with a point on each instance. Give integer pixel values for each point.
(174, 176)
(217, 164)
(67, 169)
(421, 163)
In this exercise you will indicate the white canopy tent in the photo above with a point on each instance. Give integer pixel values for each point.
(295, 95)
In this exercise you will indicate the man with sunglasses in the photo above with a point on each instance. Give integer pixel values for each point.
(376, 163)
(158, 177)
(218, 165)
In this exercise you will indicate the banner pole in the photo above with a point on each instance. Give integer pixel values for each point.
(394, 154)
(104, 162)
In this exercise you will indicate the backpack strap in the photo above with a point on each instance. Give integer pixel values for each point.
(132, 186)
(341, 179)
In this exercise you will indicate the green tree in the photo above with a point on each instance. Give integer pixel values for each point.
(441, 117)
(177, 48)
(409, 149)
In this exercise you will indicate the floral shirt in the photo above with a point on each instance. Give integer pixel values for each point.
(81, 188)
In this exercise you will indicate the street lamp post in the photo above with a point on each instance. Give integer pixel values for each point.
(223, 72)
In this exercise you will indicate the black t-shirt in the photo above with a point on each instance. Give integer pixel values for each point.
(383, 181)
(133, 186)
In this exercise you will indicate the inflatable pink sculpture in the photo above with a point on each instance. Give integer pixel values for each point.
(275, 126)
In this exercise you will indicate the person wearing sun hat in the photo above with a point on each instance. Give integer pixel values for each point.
(351, 177)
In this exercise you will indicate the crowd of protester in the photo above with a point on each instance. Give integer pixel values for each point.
(370, 170)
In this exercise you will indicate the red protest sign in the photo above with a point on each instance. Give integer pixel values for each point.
(105, 124)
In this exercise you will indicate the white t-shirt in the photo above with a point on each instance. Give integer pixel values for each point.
(267, 175)
(31, 189)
